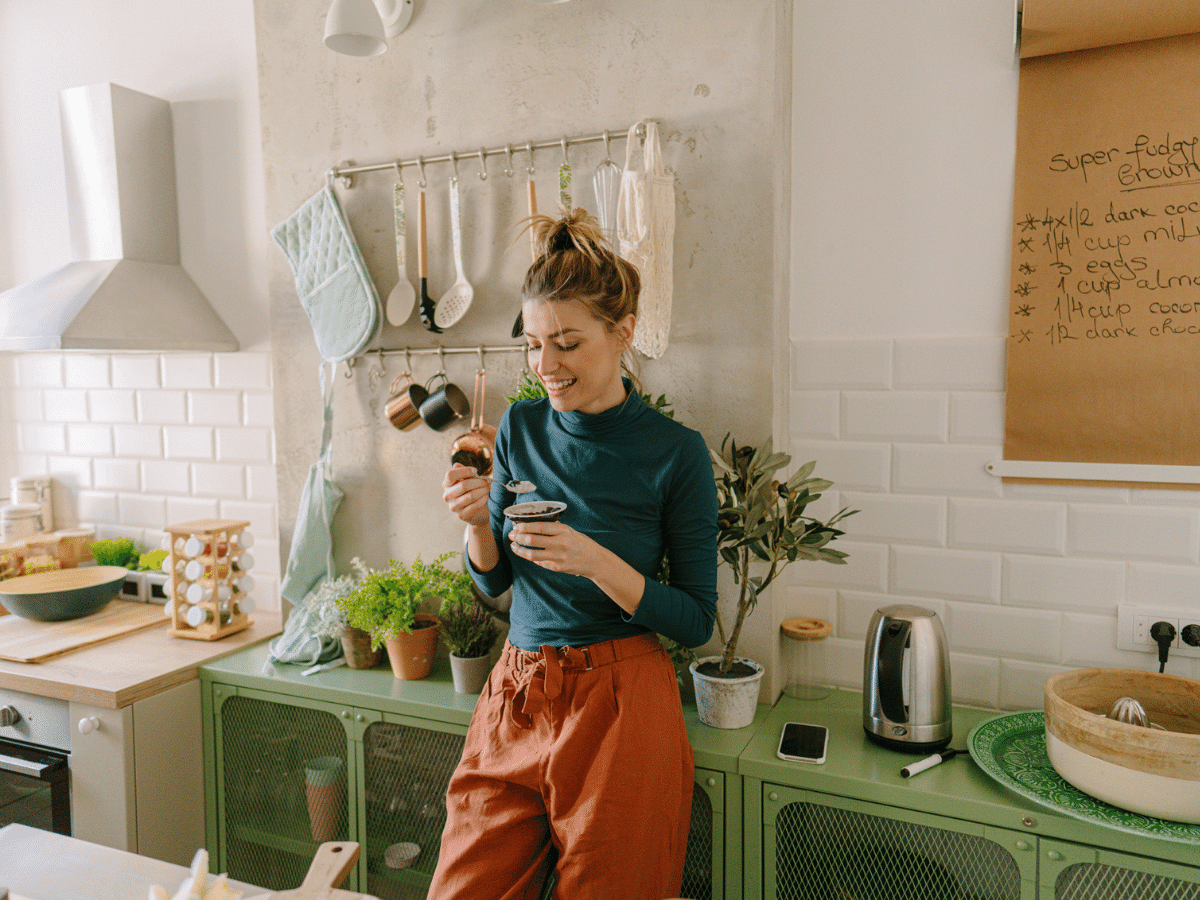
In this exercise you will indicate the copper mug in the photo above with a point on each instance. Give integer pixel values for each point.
(403, 407)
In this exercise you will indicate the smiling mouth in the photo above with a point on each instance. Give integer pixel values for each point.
(557, 386)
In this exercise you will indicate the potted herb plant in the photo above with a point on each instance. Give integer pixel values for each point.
(328, 618)
(387, 602)
(469, 632)
(761, 530)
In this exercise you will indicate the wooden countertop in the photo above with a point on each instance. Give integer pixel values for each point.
(127, 669)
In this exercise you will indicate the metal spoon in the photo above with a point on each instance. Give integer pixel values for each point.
(403, 298)
(518, 487)
(457, 300)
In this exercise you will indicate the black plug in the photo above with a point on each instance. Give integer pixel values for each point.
(1191, 635)
(1162, 633)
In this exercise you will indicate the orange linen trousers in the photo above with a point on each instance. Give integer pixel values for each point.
(583, 749)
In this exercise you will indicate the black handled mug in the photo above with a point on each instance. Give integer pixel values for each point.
(444, 406)
(403, 406)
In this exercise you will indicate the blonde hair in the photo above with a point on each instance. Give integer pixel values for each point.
(574, 261)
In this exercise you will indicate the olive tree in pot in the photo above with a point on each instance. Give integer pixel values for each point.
(469, 632)
(386, 603)
(761, 529)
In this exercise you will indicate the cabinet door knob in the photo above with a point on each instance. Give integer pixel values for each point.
(360, 718)
(711, 782)
(773, 796)
(1023, 845)
(1054, 855)
(345, 713)
(88, 724)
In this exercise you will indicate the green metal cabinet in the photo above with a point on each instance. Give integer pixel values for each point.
(397, 744)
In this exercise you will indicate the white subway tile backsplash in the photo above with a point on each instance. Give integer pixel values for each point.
(188, 442)
(844, 663)
(96, 507)
(220, 480)
(65, 405)
(246, 371)
(1058, 493)
(40, 370)
(811, 603)
(1005, 632)
(1091, 641)
(189, 509)
(258, 409)
(1008, 525)
(865, 569)
(1162, 535)
(116, 474)
(975, 681)
(813, 414)
(42, 438)
(112, 406)
(142, 510)
(977, 417)
(856, 609)
(1021, 683)
(70, 472)
(162, 407)
(214, 407)
(82, 370)
(166, 477)
(1052, 583)
(261, 517)
(957, 364)
(244, 444)
(953, 574)
(895, 415)
(266, 562)
(953, 470)
(261, 483)
(900, 518)
(138, 441)
(186, 370)
(27, 405)
(136, 370)
(842, 365)
(90, 440)
(1175, 587)
(850, 466)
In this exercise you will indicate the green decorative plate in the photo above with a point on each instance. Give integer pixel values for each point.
(1012, 749)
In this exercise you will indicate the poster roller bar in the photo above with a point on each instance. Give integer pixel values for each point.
(1082, 471)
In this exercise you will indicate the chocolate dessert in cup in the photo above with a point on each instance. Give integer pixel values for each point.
(536, 511)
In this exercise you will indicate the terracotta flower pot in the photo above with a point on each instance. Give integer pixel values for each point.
(411, 655)
(356, 644)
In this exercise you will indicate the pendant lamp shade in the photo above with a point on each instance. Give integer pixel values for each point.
(353, 27)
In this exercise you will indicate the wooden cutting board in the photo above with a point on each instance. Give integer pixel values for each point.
(26, 641)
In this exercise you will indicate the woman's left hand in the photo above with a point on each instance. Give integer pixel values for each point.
(557, 547)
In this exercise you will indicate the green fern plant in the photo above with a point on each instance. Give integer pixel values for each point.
(386, 602)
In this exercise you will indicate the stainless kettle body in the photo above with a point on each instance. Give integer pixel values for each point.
(906, 680)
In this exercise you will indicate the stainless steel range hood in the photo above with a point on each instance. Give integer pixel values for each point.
(125, 289)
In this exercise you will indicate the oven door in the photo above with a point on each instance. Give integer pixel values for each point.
(35, 786)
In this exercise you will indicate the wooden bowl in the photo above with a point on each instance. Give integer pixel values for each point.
(63, 593)
(1155, 772)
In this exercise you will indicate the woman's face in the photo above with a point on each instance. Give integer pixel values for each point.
(575, 356)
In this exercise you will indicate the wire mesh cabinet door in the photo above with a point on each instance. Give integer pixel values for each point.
(817, 846)
(1073, 872)
(285, 782)
(704, 865)
(407, 764)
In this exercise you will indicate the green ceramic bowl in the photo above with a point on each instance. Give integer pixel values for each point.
(62, 593)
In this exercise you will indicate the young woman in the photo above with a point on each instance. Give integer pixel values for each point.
(578, 740)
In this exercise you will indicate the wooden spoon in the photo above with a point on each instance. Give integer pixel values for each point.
(426, 300)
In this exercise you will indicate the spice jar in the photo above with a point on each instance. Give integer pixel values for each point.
(804, 657)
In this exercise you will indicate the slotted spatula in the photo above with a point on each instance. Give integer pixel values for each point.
(329, 868)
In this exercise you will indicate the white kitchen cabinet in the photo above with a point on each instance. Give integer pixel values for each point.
(137, 775)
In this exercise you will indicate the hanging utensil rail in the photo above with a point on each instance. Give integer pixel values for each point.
(380, 352)
(346, 171)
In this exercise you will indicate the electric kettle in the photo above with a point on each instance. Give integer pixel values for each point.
(906, 680)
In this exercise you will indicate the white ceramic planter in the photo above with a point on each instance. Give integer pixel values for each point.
(470, 673)
(726, 702)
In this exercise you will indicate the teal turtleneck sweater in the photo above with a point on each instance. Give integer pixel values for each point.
(634, 481)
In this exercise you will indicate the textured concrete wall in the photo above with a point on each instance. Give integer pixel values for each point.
(471, 73)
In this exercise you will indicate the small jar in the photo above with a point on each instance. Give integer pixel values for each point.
(19, 521)
(34, 490)
(804, 657)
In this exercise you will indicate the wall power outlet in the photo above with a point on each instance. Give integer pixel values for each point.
(1134, 622)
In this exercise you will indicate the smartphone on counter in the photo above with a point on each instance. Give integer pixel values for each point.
(803, 743)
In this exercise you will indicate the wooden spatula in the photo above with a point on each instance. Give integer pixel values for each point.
(329, 868)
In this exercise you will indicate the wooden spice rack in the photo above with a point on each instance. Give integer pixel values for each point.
(219, 557)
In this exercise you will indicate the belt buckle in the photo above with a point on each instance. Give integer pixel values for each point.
(583, 651)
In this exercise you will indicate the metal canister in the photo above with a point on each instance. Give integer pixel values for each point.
(35, 489)
(19, 521)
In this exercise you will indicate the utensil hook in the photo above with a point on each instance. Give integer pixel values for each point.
(607, 152)
(454, 163)
(529, 148)
(421, 169)
(442, 361)
(482, 367)
(566, 159)
(482, 164)
(508, 163)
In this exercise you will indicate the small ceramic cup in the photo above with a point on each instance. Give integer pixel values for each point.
(536, 511)
(445, 405)
(403, 406)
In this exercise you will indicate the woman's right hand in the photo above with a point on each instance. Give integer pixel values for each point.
(466, 493)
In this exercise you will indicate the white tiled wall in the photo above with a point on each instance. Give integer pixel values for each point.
(135, 442)
(1026, 578)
